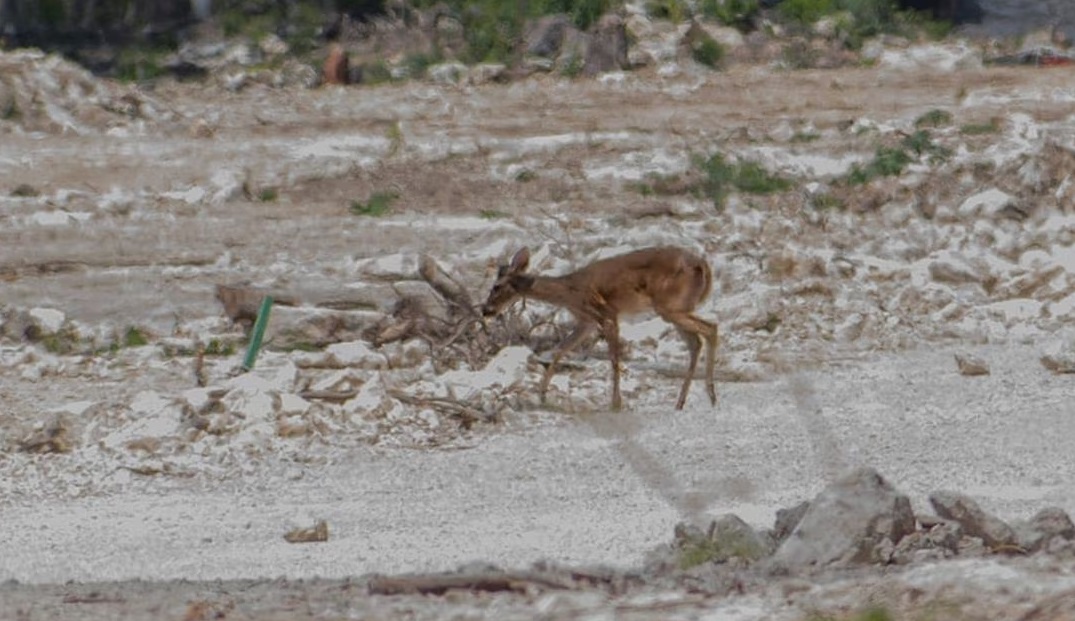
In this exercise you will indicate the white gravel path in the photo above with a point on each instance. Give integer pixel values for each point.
(572, 491)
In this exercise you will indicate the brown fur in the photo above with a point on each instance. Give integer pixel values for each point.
(669, 281)
(336, 70)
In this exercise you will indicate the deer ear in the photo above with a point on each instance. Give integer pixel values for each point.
(521, 260)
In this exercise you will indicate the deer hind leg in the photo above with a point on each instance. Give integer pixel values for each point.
(694, 330)
(579, 334)
(694, 346)
(712, 341)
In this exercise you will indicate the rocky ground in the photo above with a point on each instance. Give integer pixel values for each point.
(917, 323)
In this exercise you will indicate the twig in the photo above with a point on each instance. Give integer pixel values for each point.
(467, 414)
(328, 395)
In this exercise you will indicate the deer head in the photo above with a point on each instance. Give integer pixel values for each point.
(511, 283)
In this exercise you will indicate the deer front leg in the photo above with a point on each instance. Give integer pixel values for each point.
(579, 334)
(611, 331)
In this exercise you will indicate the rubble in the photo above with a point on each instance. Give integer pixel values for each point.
(848, 522)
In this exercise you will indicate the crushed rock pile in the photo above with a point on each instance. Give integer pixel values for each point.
(345, 395)
(46, 93)
(863, 519)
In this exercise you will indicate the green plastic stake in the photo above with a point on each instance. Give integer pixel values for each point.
(259, 332)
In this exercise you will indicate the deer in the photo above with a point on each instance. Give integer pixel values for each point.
(670, 281)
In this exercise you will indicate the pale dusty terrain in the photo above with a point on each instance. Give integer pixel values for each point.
(136, 223)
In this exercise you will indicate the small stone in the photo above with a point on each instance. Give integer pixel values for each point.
(972, 546)
(1054, 521)
(1061, 362)
(48, 320)
(971, 365)
(994, 532)
(945, 535)
(928, 520)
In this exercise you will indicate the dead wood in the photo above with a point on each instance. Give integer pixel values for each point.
(409, 319)
(447, 287)
(52, 438)
(440, 583)
(315, 534)
(93, 597)
(466, 413)
(328, 395)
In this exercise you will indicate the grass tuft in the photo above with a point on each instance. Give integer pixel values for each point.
(378, 204)
(934, 118)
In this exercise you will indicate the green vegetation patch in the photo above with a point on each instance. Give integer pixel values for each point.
(934, 118)
(739, 14)
(921, 143)
(858, 20)
(133, 336)
(886, 162)
(707, 51)
(721, 178)
(216, 347)
(806, 11)
(135, 64)
(378, 204)
(674, 11)
(493, 29)
(890, 161)
(978, 129)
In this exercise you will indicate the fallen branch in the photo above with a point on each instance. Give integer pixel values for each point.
(93, 597)
(328, 395)
(448, 288)
(466, 414)
(438, 584)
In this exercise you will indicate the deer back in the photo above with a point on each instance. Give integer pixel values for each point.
(663, 279)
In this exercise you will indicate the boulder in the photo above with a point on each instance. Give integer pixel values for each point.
(1039, 531)
(728, 537)
(1055, 522)
(545, 36)
(608, 47)
(991, 203)
(788, 519)
(737, 538)
(847, 522)
(448, 73)
(993, 532)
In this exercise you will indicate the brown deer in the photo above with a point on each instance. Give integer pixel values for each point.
(669, 281)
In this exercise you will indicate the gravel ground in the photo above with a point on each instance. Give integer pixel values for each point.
(137, 220)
